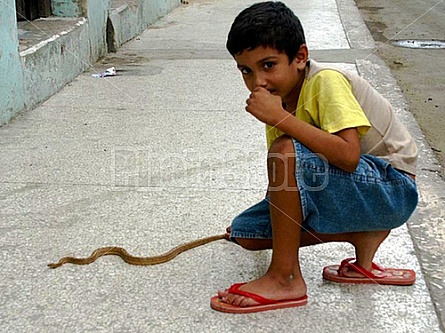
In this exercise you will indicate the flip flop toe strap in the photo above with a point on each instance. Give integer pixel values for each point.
(347, 264)
(234, 289)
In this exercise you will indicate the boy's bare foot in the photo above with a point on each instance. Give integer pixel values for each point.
(268, 286)
(366, 245)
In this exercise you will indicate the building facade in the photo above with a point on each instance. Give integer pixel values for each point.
(44, 46)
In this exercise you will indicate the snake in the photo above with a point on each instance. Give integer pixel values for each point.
(134, 260)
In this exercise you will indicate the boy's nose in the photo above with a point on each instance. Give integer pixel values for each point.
(260, 81)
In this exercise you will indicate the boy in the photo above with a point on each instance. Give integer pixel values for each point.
(340, 166)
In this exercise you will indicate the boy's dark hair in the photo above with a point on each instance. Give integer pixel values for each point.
(267, 24)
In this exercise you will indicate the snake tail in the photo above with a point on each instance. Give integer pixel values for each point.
(135, 260)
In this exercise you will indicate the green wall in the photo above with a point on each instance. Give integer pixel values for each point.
(11, 74)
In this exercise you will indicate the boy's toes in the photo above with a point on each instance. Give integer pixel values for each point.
(239, 300)
(233, 299)
(223, 294)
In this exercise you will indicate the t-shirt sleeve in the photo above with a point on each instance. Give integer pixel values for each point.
(332, 105)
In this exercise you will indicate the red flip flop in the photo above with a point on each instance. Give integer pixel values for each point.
(264, 304)
(378, 275)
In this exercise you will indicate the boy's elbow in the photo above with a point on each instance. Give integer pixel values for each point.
(350, 168)
(352, 163)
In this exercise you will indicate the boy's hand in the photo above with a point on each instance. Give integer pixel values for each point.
(266, 107)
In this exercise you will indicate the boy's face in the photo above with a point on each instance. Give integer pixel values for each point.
(266, 67)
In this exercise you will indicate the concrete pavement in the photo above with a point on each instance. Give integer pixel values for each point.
(160, 155)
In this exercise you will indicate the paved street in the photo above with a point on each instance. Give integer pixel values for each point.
(415, 20)
(162, 154)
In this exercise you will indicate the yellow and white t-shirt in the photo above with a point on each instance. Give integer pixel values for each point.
(326, 101)
(333, 99)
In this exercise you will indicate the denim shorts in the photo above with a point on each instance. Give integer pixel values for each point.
(373, 197)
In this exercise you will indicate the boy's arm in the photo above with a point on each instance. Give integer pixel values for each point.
(341, 149)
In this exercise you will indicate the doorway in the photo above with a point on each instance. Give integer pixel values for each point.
(32, 9)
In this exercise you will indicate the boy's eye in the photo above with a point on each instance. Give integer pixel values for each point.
(268, 65)
(245, 70)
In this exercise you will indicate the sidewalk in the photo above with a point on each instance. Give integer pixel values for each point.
(156, 157)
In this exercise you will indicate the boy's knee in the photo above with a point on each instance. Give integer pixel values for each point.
(283, 145)
(281, 154)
